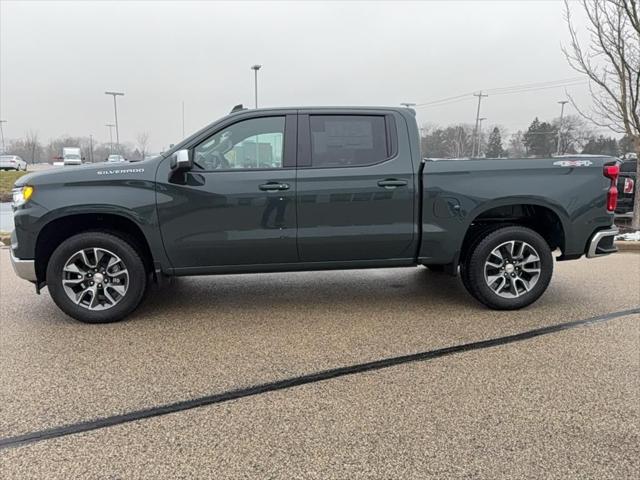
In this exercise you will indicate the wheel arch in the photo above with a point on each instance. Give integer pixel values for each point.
(548, 221)
(58, 229)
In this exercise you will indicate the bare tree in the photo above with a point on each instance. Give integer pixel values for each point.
(142, 140)
(612, 64)
(33, 145)
(516, 147)
(576, 133)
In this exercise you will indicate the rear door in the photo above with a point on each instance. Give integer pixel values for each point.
(355, 186)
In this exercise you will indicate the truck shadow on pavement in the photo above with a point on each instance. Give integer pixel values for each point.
(383, 290)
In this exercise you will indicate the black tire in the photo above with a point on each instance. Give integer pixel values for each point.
(479, 233)
(124, 249)
(473, 268)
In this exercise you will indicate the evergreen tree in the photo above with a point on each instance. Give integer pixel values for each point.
(540, 138)
(494, 147)
(453, 141)
(602, 146)
(626, 145)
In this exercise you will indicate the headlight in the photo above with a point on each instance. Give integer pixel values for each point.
(21, 195)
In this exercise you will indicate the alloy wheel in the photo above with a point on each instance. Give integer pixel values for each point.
(95, 278)
(512, 269)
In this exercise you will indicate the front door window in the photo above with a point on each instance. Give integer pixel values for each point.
(251, 144)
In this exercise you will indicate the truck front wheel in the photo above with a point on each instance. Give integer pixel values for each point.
(96, 277)
(509, 268)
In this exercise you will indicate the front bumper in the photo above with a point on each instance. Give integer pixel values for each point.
(24, 268)
(602, 243)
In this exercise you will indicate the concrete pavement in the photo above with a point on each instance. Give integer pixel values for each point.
(559, 406)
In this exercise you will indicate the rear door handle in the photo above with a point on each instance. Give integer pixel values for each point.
(274, 187)
(390, 183)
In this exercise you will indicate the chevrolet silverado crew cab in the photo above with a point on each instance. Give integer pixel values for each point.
(272, 190)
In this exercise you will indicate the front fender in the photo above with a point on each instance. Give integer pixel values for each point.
(132, 200)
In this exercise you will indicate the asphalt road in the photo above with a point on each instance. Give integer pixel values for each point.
(562, 405)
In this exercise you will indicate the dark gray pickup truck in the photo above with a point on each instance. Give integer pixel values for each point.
(287, 189)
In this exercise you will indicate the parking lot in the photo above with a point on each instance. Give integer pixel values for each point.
(565, 404)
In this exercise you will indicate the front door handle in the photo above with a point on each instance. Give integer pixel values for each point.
(273, 187)
(390, 183)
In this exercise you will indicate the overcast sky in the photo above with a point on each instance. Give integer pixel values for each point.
(58, 58)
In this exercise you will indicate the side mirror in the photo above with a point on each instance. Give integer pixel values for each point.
(181, 161)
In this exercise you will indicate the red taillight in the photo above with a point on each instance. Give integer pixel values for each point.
(612, 198)
(611, 172)
(628, 185)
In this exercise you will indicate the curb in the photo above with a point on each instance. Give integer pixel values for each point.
(624, 246)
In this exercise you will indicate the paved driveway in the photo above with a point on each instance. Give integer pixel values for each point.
(563, 404)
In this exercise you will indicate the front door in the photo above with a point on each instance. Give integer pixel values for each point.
(237, 205)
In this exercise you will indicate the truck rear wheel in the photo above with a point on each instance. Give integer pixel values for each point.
(96, 277)
(509, 268)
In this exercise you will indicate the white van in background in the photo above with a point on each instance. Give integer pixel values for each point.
(71, 156)
(115, 158)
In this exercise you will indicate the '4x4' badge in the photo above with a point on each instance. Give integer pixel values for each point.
(573, 163)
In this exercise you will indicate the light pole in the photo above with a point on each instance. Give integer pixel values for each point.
(255, 69)
(110, 125)
(475, 130)
(91, 148)
(2, 134)
(562, 103)
(115, 109)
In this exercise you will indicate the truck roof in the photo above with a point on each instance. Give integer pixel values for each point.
(239, 111)
(326, 107)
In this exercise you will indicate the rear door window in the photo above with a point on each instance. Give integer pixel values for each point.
(348, 140)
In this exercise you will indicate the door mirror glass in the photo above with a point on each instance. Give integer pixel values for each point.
(181, 161)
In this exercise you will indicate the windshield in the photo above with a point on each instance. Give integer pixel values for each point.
(72, 156)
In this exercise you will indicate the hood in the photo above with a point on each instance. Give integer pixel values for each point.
(92, 172)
